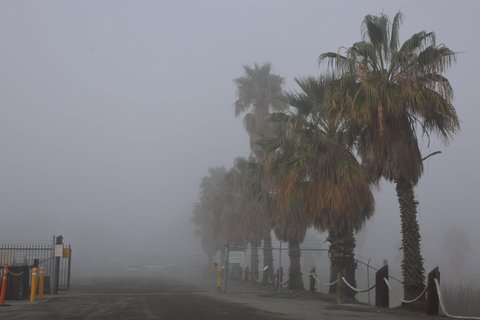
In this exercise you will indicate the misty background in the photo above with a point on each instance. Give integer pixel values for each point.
(112, 111)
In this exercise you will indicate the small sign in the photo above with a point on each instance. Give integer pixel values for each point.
(236, 257)
(67, 252)
(19, 258)
(58, 250)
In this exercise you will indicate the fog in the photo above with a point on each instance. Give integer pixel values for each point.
(112, 111)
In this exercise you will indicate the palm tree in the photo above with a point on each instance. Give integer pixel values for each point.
(204, 230)
(250, 204)
(209, 212)
(313, 155)
(291, 227)
(259, 92)
(215, 215)
(387, 94)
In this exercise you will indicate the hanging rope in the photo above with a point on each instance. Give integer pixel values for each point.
(322, 283)
(15, 274)
(355, 289)
(400, 299)
(254, 277)
(328, 284)
(442, 305)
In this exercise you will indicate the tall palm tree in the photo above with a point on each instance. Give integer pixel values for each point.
(250, 203)
(202, 219)
(259, 92)
(215, 215)
(387, 94)
(209, 212)
(291, 227)
(313, 154)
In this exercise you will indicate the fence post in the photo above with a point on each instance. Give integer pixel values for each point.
(312, 280)
(69, 266)
(4, 284)
(276, 279)
(382, 298)
(281, 277)
(431, 307)
(368, 279)
(340, 288)
(58, 241)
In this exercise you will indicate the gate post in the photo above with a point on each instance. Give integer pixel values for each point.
(276, 279)
(58, 241)
(281, 277)
(340, 287)
(431, 307)
(382, 298)
(312, 280)
(247, 274)
(225, 274)
(69, 265)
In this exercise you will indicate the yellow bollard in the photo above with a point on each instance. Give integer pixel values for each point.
(34, 285)
(41, 282)
(218, 268)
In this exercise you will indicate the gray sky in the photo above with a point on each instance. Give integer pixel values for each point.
(112, 111)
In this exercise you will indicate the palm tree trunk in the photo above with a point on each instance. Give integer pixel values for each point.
(254, 261)
(223, 252)
(209, 261)
(342, 257)
(295, 281)
(412, 265)
(267, 258)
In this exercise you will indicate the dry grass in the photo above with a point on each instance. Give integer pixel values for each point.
(463, 299)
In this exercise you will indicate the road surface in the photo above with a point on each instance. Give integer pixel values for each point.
(159, 298)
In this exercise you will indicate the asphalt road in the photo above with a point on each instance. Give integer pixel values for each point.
(155, 297)
(134, 298)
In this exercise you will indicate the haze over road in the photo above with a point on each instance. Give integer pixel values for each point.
(158, 298)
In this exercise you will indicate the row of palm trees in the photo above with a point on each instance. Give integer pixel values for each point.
(318, 151)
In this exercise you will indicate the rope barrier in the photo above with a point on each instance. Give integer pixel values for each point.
(322, 283)
(442, 305)
(328, 284)
(400, 299)
(355, 289)
(15, 274)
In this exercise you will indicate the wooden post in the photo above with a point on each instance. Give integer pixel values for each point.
(247, 274)
(281, 277)
(312, 280)
(277, 279)
(382, 298)
(340, 288)
(431, 307)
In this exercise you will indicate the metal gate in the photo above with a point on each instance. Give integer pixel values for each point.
(55, 257)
